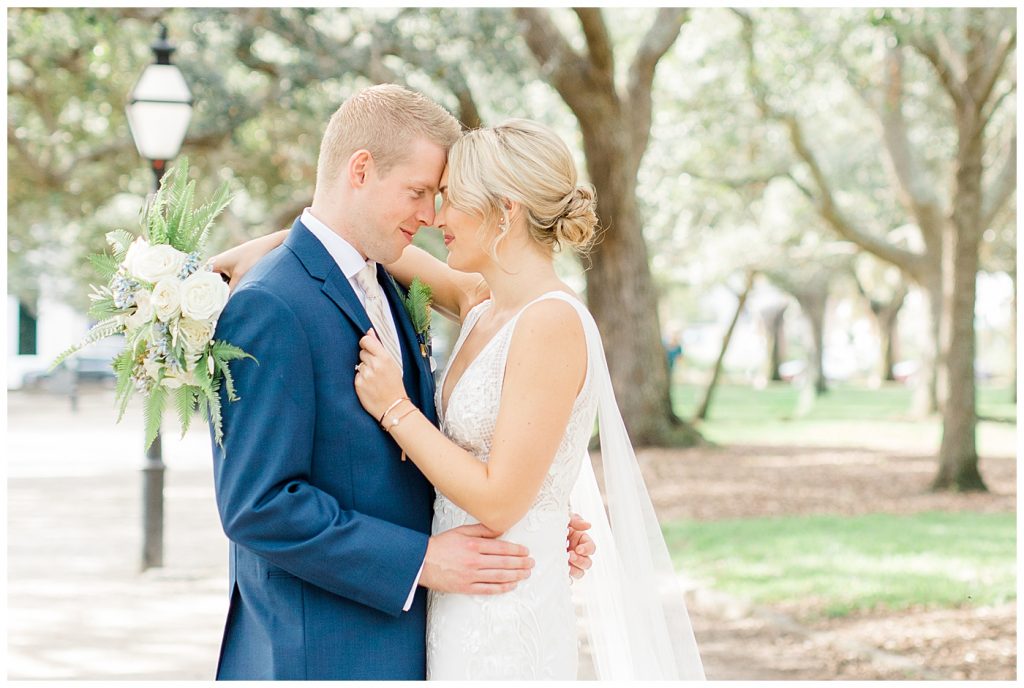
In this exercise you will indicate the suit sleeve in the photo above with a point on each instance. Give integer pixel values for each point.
(261, 474)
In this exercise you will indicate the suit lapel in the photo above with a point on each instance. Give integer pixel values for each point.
(321, 266)
(416, 367)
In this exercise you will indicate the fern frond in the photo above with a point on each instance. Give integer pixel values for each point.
(120, 240)
(222, 351)
(213, 400)
(185, 405)
(180, 211)
(203, 217)
(154, 412)
(100, 330)
(229, 382)
(106, 266)
(104, 307)
(417, 302)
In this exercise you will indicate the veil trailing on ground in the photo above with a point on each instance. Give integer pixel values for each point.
(637, 622)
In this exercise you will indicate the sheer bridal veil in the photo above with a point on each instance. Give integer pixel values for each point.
(636, 617)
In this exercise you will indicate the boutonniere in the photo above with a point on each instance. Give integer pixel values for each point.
(417, 304)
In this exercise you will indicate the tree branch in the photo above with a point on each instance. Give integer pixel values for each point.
(941, 59)
(599, 43)
(824, 199)
(916, 189)
(661, 36)
(987, 81)
(558, 61)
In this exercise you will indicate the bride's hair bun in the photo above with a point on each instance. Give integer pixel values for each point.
(578, 221)
(525, 162)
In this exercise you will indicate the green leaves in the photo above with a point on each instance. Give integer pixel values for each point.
(417, 302)
(171, 218)
(154, 411)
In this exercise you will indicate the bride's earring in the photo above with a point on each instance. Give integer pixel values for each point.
(503, 227)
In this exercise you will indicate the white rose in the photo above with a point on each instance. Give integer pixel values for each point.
(203, 295)
(195, 334)
(143, 310)
(154, 263)
(166, 298)
(136, 249)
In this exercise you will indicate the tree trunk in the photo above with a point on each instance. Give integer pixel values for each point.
(888, 327)
(958, 456)
(813, 302)
(1013, 340)
(623, 300)
(702, 412)
(927, 398)
(615, 124)
(774, 319)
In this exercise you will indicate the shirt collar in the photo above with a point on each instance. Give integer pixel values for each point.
(343, 253)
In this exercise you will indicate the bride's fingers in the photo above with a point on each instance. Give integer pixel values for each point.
(370, 342)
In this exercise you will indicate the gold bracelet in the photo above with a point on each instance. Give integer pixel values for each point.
(394, 424)
(396, 402)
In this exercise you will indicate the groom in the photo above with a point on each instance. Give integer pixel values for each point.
(330, 547)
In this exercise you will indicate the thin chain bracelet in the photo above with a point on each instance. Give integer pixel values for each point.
(393, 423)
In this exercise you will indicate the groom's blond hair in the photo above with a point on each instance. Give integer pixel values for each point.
(385, 120)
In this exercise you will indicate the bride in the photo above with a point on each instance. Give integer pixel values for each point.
(517, 404)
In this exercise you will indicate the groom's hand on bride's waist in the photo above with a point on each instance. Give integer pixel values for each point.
(469, 560)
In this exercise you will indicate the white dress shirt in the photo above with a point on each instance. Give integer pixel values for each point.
(351, 262)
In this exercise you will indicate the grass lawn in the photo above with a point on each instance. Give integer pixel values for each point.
(834, 565)
(846, 416)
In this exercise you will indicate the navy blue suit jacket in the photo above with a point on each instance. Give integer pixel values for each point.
(327, 527)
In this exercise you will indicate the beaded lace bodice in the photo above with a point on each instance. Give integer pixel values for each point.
(529, 632)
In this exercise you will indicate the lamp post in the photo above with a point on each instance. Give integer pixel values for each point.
(159, 110)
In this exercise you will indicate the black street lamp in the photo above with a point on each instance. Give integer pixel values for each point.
(159, 110)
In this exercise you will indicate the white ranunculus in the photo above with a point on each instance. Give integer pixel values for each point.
(154, 263)
(166, 298)
(143, 310)
(195, 334)
(203, 295)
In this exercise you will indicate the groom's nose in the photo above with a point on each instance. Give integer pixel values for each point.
(425, 213)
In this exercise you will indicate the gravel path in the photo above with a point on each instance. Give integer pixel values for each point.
(79, 609)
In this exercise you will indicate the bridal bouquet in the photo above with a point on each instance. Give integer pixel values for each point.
(165, 301)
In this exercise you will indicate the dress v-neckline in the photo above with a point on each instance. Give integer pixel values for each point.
(443, 408)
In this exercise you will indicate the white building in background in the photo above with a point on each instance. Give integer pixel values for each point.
(35, 339)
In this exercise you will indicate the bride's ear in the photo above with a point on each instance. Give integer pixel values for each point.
(511, 210)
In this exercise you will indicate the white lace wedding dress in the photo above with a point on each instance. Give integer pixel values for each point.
(531, 632)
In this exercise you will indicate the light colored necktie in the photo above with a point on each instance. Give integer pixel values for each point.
(376, 304)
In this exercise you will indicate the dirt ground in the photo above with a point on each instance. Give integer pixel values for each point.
(739, 640)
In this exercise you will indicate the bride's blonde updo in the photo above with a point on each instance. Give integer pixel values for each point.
(526, 162)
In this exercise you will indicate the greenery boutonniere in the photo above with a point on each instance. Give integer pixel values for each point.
(417, 303)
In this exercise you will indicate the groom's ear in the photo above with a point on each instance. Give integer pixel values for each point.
(359, 165)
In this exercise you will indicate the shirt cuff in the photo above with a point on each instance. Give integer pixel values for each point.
(412, 593)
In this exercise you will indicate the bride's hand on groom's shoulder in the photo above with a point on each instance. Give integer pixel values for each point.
(469, 560)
